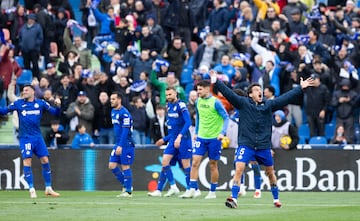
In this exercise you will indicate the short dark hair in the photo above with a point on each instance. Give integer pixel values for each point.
(203, 83)
(271, 89)
(249, 90)
(118, 94)
(79, 126)
(28, 85)
(171, 88)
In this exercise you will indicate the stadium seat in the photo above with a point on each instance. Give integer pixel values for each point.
(329, 131)
(25, 77)
(304, 132)
(20, 61)
(318, 140)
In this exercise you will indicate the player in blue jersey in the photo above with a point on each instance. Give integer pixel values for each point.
(31, 141)
(212, 121)
(123, 152)
(256, 124)
(179, 143)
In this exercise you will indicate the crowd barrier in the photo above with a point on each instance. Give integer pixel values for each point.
(87, 170)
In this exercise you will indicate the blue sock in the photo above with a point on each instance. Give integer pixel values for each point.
(235, 191)
(127, 180)
(213, 187)
(28, 176)
(187, 177)
(242, 178)
(169, 175)
(257, 176)
(46, 172)
(194, 184)
(118, 174)
(161, 181)
(275, 191)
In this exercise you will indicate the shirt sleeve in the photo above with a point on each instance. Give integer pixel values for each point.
(221, 110)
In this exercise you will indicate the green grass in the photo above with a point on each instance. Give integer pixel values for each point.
(103, 205)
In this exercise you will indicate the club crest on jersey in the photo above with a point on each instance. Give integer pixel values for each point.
(36, 105)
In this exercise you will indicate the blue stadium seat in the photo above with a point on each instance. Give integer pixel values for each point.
(25, 77)
(329, 130)
(318, 140)
(19, 60)
(304, 132)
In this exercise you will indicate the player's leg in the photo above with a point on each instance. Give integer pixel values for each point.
(46, 173)
(198, 152)
(114, 160)
(257, 178)
(269, 170)
(214, 152)
(242, 157)
(264, 157)
(242, 185)
(26, 149)
(127, 159)
(185, 154)
(166, 169)
(41, 151)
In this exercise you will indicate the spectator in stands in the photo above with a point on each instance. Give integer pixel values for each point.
(81, 112)
(264, 8)
(106, 84)
(281, 128)
(86, 83)
(82, 138)
(60, 25)
(161, 86)
(339, 136)
(206, 53)
(41, 86)
(107, 56)
(52, 75)
(106, 21)
(154, 28)
(176, 54)
(123, 36)
(316, 47)
(45, 122)
(158, 124)
(30, 41)
(344, 101)
(296, 25)
(56, 135)
(316, 101)
(67, 93)
(191, 105)
(139, 64)
(103, 127)
(140, 120)
(271, 77)
(18, 22)
(218, 21)
(9, 68)
(291, 6)
(226, 67)
(67, 63)
(150, 42)
(245, 24)
(269, 92)
(140, 12)
(77, 45)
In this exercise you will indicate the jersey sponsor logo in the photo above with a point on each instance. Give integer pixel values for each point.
(182, 105)
(204, 105)
(30, 112)
(175, 115)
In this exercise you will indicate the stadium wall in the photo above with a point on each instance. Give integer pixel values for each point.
(86, 169)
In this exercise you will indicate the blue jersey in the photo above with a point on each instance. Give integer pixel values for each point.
(122, 121)
(178, 121)
(30, 115)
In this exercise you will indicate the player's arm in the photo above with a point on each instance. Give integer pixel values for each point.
(221, 110)
(10, 108)
(196, 120)
(53, 110)
(186, 117)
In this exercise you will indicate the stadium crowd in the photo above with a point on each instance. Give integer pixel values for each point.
(145, 46)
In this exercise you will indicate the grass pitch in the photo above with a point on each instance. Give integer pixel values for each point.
(103, 205)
